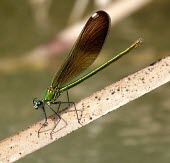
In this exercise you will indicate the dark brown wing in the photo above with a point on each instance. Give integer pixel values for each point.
(85, 49)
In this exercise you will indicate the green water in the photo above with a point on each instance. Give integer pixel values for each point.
(138, 132)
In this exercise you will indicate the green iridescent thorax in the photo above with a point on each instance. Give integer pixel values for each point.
(51, 94)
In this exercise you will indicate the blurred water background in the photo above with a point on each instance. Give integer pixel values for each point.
(138, 132)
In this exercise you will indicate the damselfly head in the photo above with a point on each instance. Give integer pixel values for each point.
(37, 103)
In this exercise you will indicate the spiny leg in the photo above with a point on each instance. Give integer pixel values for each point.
(74, 107)
(59, 117)
(45, 123)
(68, 102)
(68, 99)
